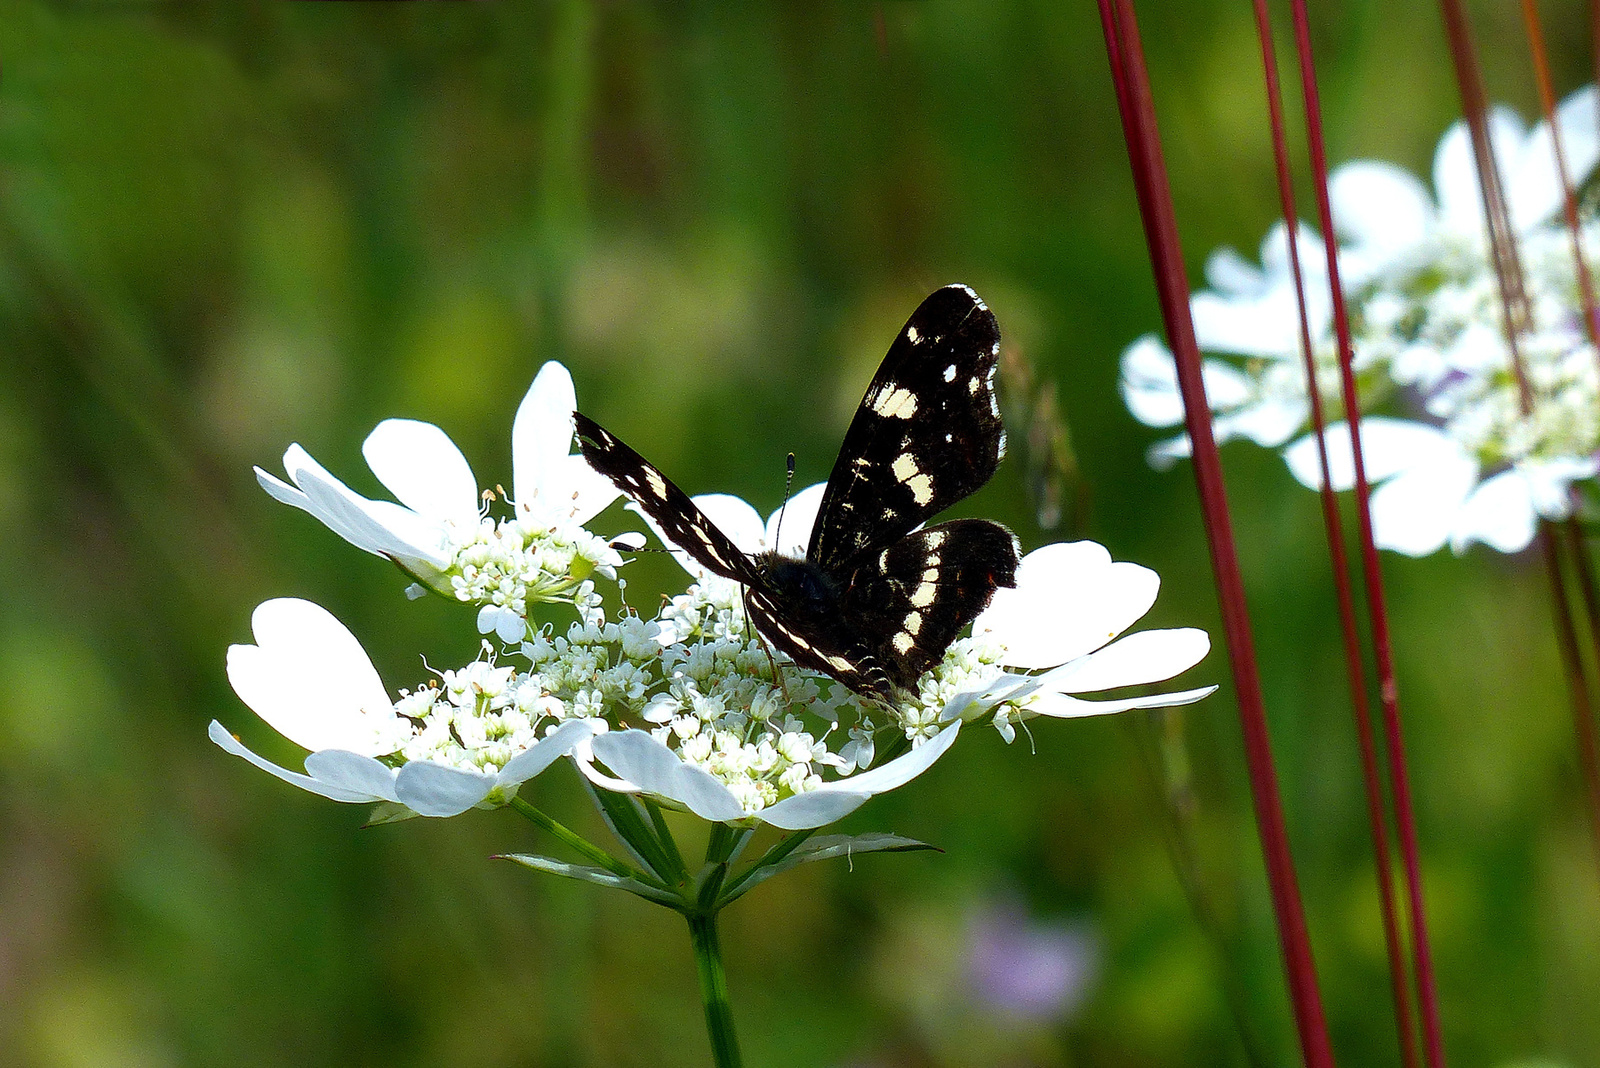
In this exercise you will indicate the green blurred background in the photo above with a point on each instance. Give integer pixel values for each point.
(226, 227)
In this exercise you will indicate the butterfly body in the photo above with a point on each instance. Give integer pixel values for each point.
(876, 601)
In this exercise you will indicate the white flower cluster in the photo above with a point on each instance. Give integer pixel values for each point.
(1468, 456)
(691, 707)
(507, 566)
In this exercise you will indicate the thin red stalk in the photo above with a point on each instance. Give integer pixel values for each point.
(1514, 299)
(1372, 572)
(1584, 725)
(1172, 286)
(1569, 197)
(1588, 751)
(1334, 527)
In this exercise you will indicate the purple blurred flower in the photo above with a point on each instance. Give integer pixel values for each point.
(1033, 972)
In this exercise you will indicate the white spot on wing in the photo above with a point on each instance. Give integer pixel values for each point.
(972, 384)
(905, 467)
(950, 373)
(935, 541)
(895, 403)
(658, 485)
(921, 487)
(914, 624)
(903, 642)
(912, 335)
(924, 595)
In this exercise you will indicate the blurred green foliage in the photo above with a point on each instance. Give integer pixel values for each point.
(228, 226)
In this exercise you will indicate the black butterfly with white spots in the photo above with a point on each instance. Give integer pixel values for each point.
(875, 602)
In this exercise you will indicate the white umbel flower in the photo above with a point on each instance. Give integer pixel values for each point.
(309, 679)
(439, 500)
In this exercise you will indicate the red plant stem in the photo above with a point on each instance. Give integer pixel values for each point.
(1334, 528)
(1514, 299)
(1588, 750)
(1583, 720)
(1569, 197)
(1372, 572)
(1172, 286)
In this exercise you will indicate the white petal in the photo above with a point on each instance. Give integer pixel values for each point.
(1499, 513)
(430, 789)
(1388, 447)
(1232, 274)
(1163, 454)
(309, 678)
(578, 490)
(379, 527)
(832, 800)
(219, 734)
(1150, 383)
(1148, 656)
(1533, 183)
(640, 759)
(1269, 423)
(736, 518)
(353, 772)
(424, 470)
(1383, 210)
(546, 751)
(798, 517)
(1550, 482)
(1070, 599)
(1455, 174)
(1414, 513)
(541, 433)
(1061, 706)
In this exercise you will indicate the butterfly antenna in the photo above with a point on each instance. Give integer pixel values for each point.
(788, 484)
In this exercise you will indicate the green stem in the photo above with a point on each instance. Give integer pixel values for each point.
(582, 845)
(714, 989)
(669, 845)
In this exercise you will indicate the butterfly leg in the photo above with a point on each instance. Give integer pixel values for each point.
(777, 675)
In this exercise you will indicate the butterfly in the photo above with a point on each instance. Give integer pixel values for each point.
(876, 601)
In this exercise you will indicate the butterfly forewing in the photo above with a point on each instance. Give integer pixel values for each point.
(927, 434)
(683, 523)
(914, 597)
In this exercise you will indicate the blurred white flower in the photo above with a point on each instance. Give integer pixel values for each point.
(1428, 490)
(310, 680)
(1388, 223)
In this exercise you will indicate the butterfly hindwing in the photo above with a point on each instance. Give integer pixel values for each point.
(671, 509)
(927, 433)
(914, 597)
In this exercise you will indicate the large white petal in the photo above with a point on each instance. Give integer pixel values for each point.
(1148, 656)
(423, 468)
(1070, 599)
(1062, 706)
(352, 772)
(797, 519)
(430, 789)
(1533, 185)
(839, 798)
(541, 433)
(219, 734)
(546, 751)
(1269, 423)
(1499, 513)
(299, 465)
(1388, 447)
(382, 527)
(1230, 273)
(1150, 383)
(310, 679)
(1380, 208)
(1455, 174)
(1414, 513)
(635, 756)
